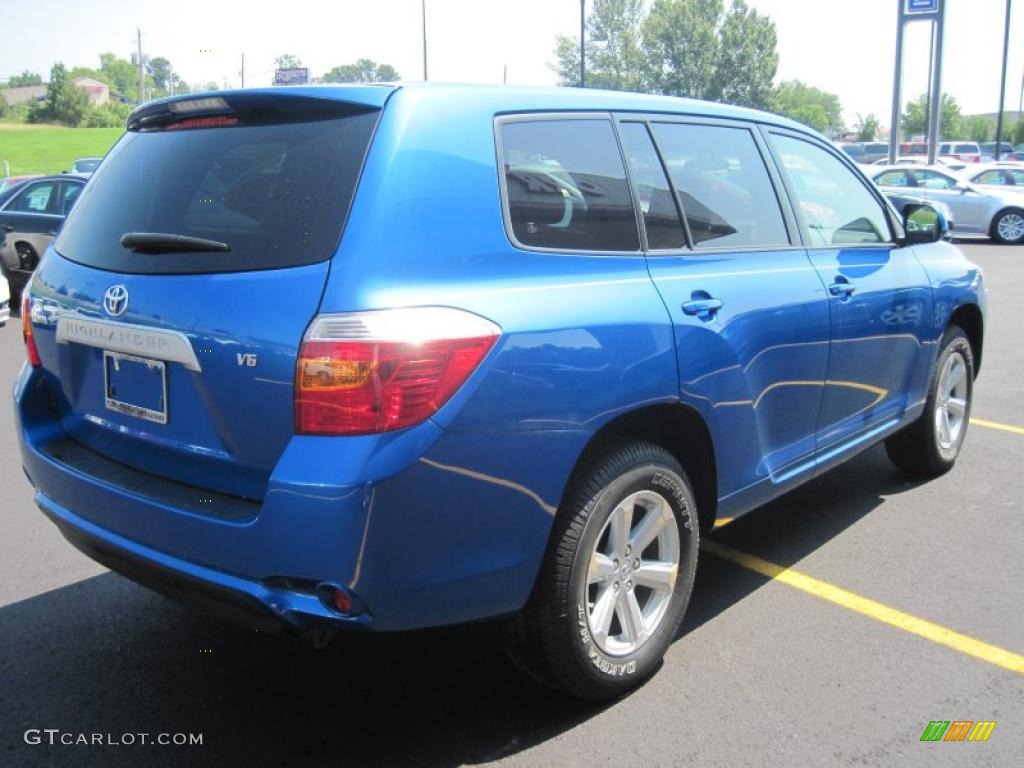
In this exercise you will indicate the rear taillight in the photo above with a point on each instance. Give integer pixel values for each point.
(377, 371)
(26, 332)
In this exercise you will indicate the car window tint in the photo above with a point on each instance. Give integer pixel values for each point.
(723, 185)
(967, 149)
(36, 198)
(69, 194)
(1017, 175)
(933, 180)
(837, 207)
(661, 217)
(990, 177)
(566, 186)
(275, 187)
(893, 179)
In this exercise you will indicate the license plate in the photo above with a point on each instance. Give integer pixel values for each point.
(136, 386)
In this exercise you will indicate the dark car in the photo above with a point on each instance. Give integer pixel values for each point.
(31, 213)
(85, 164)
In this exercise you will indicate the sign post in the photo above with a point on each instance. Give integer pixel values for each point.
(909, 11)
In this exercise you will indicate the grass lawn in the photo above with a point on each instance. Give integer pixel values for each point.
(50, 148)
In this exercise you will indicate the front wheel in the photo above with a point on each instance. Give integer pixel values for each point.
(1008, 226)
(617, 577)
(930, 446)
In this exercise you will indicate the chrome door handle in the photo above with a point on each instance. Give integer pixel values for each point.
(842, 288)
(702, 306)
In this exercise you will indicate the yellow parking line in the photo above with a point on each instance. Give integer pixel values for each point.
(998, 425)
(875, 610)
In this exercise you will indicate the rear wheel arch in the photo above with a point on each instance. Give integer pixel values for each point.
(969, 318)
(677, 428)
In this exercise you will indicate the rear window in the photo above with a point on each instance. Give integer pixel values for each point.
(566, 186)
(967, 149)
(275, 187)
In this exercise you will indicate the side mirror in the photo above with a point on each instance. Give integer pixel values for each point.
(924, 224)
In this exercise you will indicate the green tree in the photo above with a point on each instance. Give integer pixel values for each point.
(113, 114)
(978, 128)
(747, 58)
(287, 61)
(867, 128)
(120, 74)
(362, 71)
(682, 48)
(914, 121)
(809, 105)
(25, 79)
(1018, 133)
(64, 103)
(159, 69)
(614, 56)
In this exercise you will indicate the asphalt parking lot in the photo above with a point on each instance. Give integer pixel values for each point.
(905, 605)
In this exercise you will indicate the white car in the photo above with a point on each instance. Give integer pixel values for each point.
(5, 303)
(978, 210)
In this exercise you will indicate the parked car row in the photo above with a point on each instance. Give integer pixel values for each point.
(986, 202)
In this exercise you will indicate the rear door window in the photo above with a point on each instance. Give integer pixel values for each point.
(933, 180)
(565, 186)
(894, 179)
(723, 184)
(273, 183)
(36, 198)
(662, 222)
(835, 205)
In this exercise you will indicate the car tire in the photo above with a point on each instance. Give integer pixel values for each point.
(929, 447)
(602, 615)
(1008, 226)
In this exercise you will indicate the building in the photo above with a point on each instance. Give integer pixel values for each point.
(98, 92)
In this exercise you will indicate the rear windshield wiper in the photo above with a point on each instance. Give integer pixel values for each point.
(161, 242)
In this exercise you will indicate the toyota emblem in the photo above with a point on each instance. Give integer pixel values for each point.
(115, 300)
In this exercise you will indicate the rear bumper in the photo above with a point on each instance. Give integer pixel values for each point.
(233, 599)
(424, 528)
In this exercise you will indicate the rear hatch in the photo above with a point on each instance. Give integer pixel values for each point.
(170, 318)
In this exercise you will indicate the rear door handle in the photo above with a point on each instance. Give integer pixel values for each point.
(702, 306)
(842, 288)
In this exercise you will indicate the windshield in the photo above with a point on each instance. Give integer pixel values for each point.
(277, 194)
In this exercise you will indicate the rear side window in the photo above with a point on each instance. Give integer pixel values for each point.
(991, 177)
(893, 179)
(662, 223)
(275, 187)
(837, 208)
(566, 186)
(933, 180)
(36, 198)
(723, 185)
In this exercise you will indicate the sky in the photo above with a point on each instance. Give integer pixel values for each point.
(844, 46)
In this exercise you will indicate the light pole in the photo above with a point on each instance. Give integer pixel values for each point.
(1002, 80)
(423, 10)
(583, 45)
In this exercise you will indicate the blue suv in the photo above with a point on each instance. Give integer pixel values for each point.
(404, 356)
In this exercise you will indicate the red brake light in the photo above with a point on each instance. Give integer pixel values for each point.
(216, 121)
(369, 372)
(26, 332)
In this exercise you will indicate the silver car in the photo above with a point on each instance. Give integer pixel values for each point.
(978, 210)
(996, 177)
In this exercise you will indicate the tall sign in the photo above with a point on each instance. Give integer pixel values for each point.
(934, 12)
